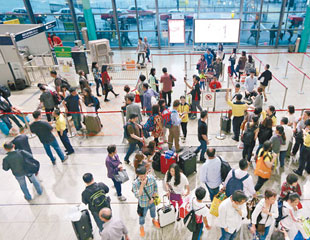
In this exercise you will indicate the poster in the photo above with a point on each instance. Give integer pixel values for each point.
(220, 100)
(208, 99)
(176, 30)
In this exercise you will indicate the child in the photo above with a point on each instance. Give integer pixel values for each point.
(201, 212)
(183, 111)
(290, 186)
(202, 83)
(291, 115)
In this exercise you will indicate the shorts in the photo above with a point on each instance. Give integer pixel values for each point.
(262, 86)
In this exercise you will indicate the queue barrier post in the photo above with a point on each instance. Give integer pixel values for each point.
(284, 99)
(285, 76)
(260, 66)
(301, 91)
(124, 122)
(302, 60)
(28, 126)
(71, 134)
(277, 64)
(221, 135)
(268, 89)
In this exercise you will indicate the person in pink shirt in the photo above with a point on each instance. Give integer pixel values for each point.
(167, 80)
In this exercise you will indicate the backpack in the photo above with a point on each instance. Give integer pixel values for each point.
(64, 82)
(31, 166)
(96, 103)
(264, 134)
(98, 200)
(156, 161)
(126, 134)
(234, 184)
(225, 169)
(5, 92)
(4, 106)
(190, 220)
(248, 135)
(167, 123)
(56, 97)
(149, 125)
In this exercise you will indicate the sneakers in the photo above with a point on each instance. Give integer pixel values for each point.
(127, 161)
(296, 172)
(106, 100)
(233, 138)
(69, 153)
(155, 223)
(122, 198)
(66, 157)
(116, 94)
(142, 233)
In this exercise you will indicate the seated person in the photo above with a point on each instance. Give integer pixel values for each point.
(215, 84)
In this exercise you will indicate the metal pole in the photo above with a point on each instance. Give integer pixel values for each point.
(69, 127)
(284, 99)
(282, 12)
(115, 18)
(302, 85)
(277, 64)
(74, 20)
(158, 26)
(42, 74)
(260, 65)
(152, 61)
(137, 17)
(27, 125)
(29, 11)
(302, 60)
(285, 76)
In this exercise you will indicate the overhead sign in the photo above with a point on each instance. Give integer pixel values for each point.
(34, 31)
(176, 30)
(50, 25)
(207, 99)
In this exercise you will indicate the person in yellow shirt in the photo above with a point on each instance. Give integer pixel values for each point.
(238, 110)
(270, 112)
(183, 111)
(304, 161)
(62, 131)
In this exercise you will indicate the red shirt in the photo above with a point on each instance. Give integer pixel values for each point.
(50, 42)
(215, 85)
(105, 77)
(167, 82)
(57, 41)
(286, 189)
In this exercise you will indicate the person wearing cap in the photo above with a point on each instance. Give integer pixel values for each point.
(144, 189)
(72, 103)
(250, 84)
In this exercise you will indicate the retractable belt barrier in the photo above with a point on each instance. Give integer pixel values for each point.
(304, 76)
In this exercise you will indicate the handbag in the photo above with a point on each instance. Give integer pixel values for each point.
(171, 78)
(217, 200)
(260, 228)
(121, 176)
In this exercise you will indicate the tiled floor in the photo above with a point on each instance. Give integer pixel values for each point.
(47, 216)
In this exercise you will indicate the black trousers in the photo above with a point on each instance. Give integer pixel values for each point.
(106, 89)
(297, 145)
(49, 115)
(247, 151)
(184, 128)
(304, 160)
(237, 121)
(98, 85)
(198, 232)
(165, 94)
(260, 183)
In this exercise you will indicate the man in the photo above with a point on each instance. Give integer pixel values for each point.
(272, 34)
(95, 193)
(209, 57)
(147, 49)
(214, 84)
(72, 103)
(114, 229)
(174, 130)
(132, 108)
(231, 212)
(241, 172)
(236, 91)
(202, 135)
(250, 84)
(264, 79)
(210, 173)
(20, 141)
(289, 134)
(61, 128)
(57, 80)
(195, 92)
(44, 131)
(144, 189)
(134, 136)
(15, 161)
(238, 109)
(141, 49)
(167, 79)
(147, 98)
(47, 100)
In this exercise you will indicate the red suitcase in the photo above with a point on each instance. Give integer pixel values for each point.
(165, 163)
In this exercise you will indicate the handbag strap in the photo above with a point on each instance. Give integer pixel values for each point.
(147, 194)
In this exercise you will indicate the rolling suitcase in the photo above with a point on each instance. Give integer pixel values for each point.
(83, 228)
(20, 84)
(156, 161)
(166, 214)
(93, 124)
(165, 163)
(225, 124)
(187, 162)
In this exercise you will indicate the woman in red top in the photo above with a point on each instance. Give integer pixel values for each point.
(56, 41)
(215, 84)
(106, 82)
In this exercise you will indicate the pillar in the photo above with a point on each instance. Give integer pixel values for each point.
(89, 20)
(306, 32)
(29, 11)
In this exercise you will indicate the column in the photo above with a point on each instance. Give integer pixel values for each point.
(89, 20)
(29, 11)
(74, 20)
(306, 32)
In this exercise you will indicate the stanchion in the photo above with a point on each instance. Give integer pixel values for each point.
(221, 135)
(285, 76)
(223, 69)
(284, 99)
(28, 127)
(124, 122)
(302, 85)
(42, 74)
(71, 134)
(260, 65)
(302, 60)
(277, 64)
(268, 89)
(152, 61)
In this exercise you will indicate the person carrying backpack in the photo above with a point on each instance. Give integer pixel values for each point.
(240, 179)
(249, 138)
(47, 100)
(95, 197)
(196, 93)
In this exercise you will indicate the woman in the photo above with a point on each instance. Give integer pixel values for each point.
(232, 59)
(277, 140)
(153, 82)
(106, 82)
(202, 64)
(249, 138)
(292, 119)
(163, 108)
(264, 215)
(250, 65)
(64, 92)
(141, 161)
(114, 165)
(90, 100)
(158, 123)
(149, 151)
(241, 64)
(183, 111)
(97, 78)
(175, 184)
(264, 165)
(139, 87)
(127, 91)
(265, 132)
(220, 52)
(82, 80)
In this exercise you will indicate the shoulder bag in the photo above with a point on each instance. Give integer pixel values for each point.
(121, 176)
(260, 228)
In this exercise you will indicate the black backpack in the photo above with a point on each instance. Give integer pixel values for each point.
(264, 134)
(156, 161)
(99, 200)
(190, 220)
(248, 135)
(225, 169)
(4, 91)
(65, 83)
(126, 134)
(31, 165)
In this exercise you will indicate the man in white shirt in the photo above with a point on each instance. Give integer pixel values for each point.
(250, 84)
(289, 134)
(231, 212)
(210, 173)
(248, 184)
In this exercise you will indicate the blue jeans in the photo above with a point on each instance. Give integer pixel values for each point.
(23, 185)
(202, 85)
(227, 235)
(282, 158)
(203, 148)
(132, 148)
(263, 237)
(213, 192)
(98, 221)
(65, 141)
(118, 187)
(76, 118)
(54, 144)
(152, 212)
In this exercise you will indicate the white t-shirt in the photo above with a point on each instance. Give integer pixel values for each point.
(179, 189)
(289, 137)
(291, 118)
(203, 211)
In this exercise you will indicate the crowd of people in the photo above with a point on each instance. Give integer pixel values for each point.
(159, 121)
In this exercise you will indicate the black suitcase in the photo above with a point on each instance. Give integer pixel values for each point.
(156, 161)
(225, 124)
(83, 228)
(20, 84)
(187, 162)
